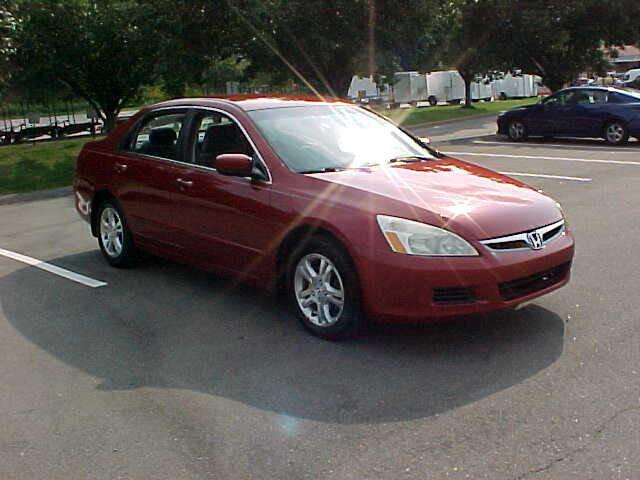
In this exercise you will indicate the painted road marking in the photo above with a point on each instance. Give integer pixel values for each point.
(62, 272)
(555, 145)
(534, 157)
(543, 175)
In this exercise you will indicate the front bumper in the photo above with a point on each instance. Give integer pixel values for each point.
(503, 128)
(404, 288)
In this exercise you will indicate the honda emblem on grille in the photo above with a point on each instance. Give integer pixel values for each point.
(534, 240)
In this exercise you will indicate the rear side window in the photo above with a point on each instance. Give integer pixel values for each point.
(615, 97)
(159, 136)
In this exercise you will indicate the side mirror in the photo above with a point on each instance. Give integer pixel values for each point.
(425, 140)
(234, 164)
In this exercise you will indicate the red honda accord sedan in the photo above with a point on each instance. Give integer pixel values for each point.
(351, 216)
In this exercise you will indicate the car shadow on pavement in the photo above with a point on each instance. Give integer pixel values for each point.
(163, 325)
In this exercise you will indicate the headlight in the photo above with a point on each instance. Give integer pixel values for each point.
(415, 238)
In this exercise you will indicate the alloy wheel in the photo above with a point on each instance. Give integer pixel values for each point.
(516, 130)
(111, 231)
(319, 290)
(615, 133)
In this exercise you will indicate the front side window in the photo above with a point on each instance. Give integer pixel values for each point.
(598, 97)
(557, 99)
(334, 137)
(217, 134)
(159, 136)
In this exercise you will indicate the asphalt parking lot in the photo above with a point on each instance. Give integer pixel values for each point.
(166, 372)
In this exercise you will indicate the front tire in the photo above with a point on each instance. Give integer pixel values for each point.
(517, 131)
(324, 290)
(616, 133)
(114, 236)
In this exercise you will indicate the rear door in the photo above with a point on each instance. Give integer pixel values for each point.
(225, 222)
(145, 174)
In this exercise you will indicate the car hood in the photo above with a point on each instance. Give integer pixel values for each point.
(523, 108)
(473, 201)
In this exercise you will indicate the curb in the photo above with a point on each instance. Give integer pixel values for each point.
(452, 120)
(14, 198)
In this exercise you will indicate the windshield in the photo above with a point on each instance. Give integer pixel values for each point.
(330, 137)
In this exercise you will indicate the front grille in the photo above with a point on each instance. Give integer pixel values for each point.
(452, 296)
(510, 245)
(552, 233)
(521, 240)
(533, 283)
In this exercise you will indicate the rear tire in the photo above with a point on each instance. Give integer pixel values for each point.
(324, 290)
(114, 236)
(433, 101)
(616, 133)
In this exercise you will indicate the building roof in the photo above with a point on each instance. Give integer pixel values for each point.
(628, 53)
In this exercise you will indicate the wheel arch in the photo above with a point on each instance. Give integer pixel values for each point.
(99, 197)
(299, 236)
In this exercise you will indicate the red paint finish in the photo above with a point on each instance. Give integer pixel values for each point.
(237, 225)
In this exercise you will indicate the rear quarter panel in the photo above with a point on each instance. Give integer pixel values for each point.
(94, 167)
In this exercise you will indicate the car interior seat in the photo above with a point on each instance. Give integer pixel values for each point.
(162, 143)
(220, 139)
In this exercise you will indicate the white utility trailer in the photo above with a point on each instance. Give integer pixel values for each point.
(409, 87)
(446, 86)
(482, 89)
(361, 88)
(515, 86)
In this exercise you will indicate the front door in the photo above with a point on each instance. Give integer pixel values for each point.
(223, 220)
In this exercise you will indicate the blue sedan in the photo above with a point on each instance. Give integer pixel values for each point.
(585, 112)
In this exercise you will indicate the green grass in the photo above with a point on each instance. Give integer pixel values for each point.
(29, 167)
(415, 116)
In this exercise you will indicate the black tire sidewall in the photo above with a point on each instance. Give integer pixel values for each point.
(350, 323)
(125, 259)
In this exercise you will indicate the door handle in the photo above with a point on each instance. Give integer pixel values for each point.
(120, 167)
(184, 183)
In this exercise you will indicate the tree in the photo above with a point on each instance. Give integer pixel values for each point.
(102, 51)
(198, 35)
(322, 43)
(557, 39)
(6, 32)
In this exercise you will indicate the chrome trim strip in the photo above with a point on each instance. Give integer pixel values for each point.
(523, 237)
(202, 167)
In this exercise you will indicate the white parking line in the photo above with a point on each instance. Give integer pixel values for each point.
(544, 175)
(535, 157)
(62, 272)
(552, 145)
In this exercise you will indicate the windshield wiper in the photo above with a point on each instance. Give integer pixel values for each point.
(323, 170)
(410, 158)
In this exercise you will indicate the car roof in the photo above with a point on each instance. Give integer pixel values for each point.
(624, 91)
(255, 102)
(595, 87)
